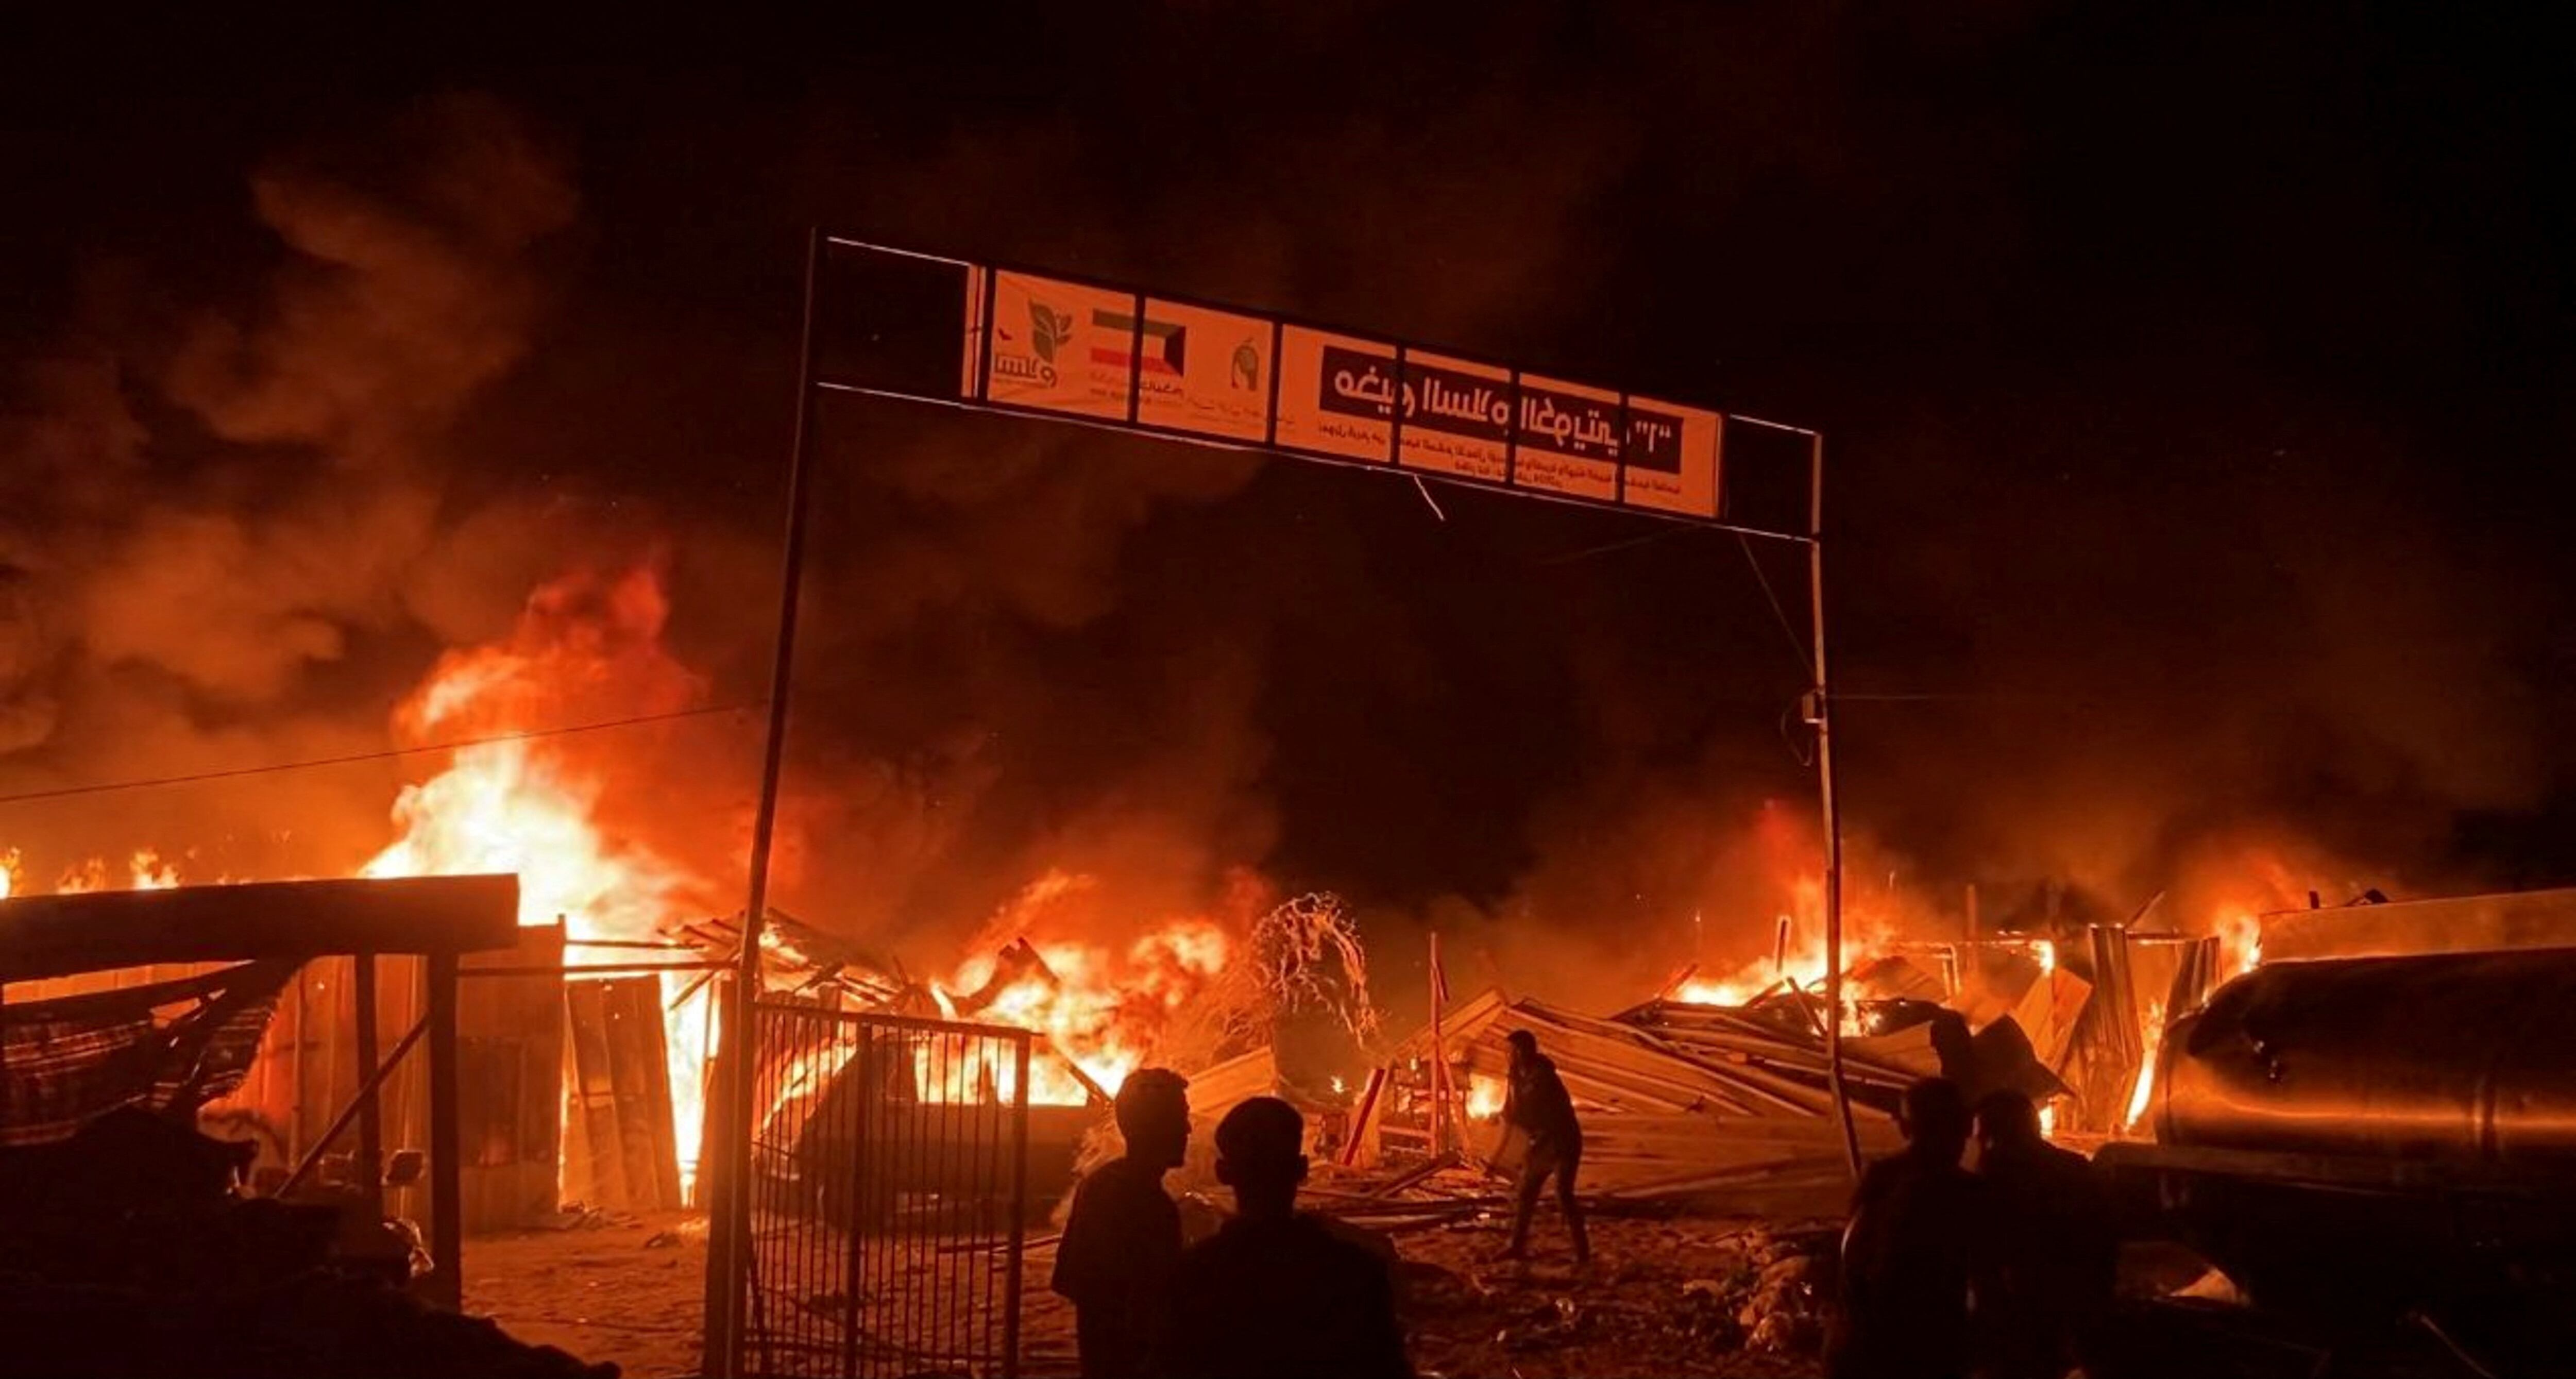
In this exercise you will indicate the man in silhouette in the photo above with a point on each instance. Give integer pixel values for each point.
(2056, 1250)
(1535, 1103)
(1915, 1246)
(1123, 1237)
(1277, 1294)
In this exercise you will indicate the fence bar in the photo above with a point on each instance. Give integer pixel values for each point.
(887, 1172)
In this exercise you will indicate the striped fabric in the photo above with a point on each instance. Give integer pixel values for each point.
(171, 1046)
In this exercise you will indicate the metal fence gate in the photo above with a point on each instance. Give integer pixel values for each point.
(889, 1195)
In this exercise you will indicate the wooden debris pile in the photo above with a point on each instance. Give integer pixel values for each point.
(1715, 1105)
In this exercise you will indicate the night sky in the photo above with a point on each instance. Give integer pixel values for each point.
(2196, 387)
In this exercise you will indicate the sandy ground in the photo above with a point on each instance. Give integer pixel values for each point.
(629, 1290)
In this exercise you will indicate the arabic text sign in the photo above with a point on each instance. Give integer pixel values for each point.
(1457, 418)
(1336, 395)
(1096, 352)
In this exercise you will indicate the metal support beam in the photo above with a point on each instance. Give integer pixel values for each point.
(1824, 715)
(730, 1244)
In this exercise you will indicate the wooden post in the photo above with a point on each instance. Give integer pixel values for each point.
(1439, 1057)
(446, 1283)
(371, 1116)
(1970, 969)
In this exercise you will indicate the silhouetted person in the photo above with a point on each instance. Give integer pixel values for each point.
(1123, 1238)
(2057, 1253)
(1277, 1294)
(1536, 1104)
(1915, 1245)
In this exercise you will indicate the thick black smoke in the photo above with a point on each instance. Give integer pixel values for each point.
(2181, 508)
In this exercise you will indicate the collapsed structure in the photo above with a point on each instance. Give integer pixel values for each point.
(124, 1245)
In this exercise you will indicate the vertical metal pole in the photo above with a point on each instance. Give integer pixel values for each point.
(371, 1121)
(446, 1166)
(734, 1249)
(1019, 1208)
(859, 1285)
(1136, 362)
(1833, 815)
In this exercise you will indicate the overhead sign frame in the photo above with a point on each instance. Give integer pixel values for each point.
(1533, 433)
(1574, 476)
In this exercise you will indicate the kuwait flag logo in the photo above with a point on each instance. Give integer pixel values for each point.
(1164, 342)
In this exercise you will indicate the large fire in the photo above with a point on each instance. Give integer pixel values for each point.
(585, 647)
(588, 649)
(1101, 1009)
(1797, 955)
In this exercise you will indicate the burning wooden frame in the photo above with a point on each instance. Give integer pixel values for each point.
(73, 951)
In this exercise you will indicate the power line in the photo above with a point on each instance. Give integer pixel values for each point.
(390, 753)
(1629, 543)
(1806, 664)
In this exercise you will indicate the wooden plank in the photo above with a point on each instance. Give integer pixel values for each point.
(1674, 1081)
(635, 1067)
(445, 1285)
(56, 935)
(594, 1098)
(511, 1035)
(657, 1096)
(1362, 1149)
(1220, 1087)
(580, 1183)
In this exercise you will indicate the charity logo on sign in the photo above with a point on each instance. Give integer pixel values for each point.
(1049, 329)
(1188, 378)
(1166, 342)
(1050, 351)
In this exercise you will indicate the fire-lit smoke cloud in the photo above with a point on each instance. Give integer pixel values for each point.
(2117, 604)
(224, 517)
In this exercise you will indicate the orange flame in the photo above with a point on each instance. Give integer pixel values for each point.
(2151, 1031)
(2240, 944)
(1103, 1009)
(145, 870)
(582, 648)
(1866, 934)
